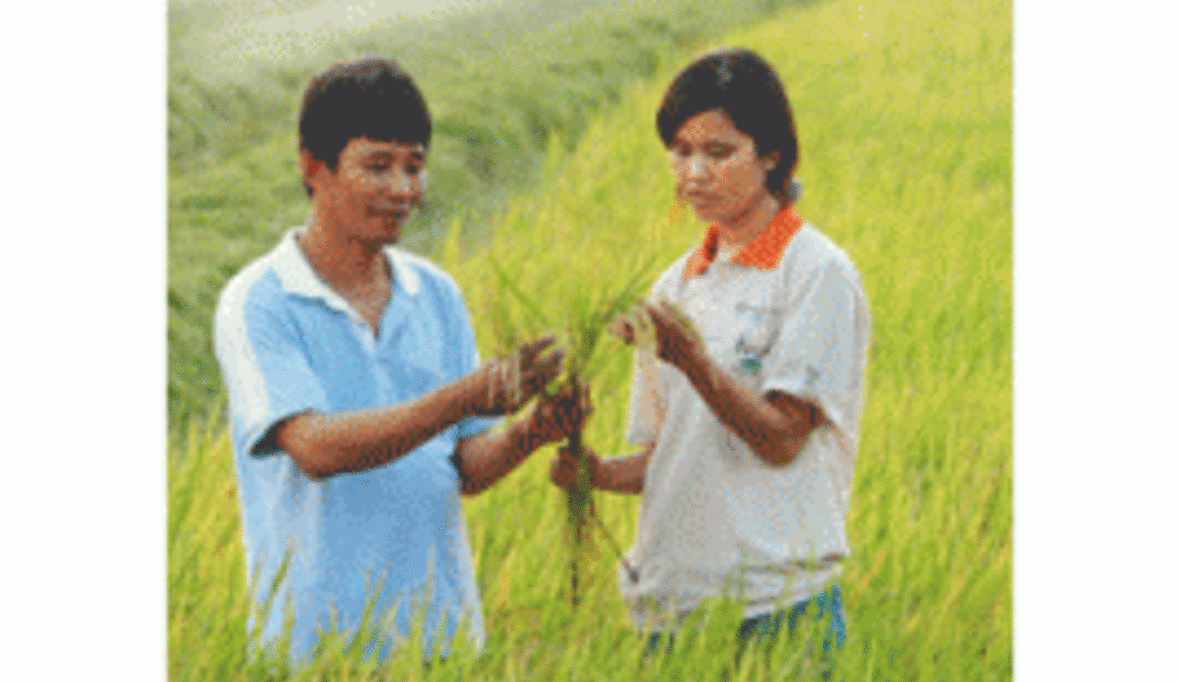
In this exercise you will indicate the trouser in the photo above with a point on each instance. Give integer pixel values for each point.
(762, 630)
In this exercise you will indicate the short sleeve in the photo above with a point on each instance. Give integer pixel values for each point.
(648, 406)
(266, 372)
(822, 345)
(649, 400)
(468, 363)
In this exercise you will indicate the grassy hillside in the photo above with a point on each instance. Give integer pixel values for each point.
(501, 85)
(904, 115)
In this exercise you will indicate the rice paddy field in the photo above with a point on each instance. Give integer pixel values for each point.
(904, 112)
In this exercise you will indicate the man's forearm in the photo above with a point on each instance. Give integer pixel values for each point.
(324, 445)
(484, 459)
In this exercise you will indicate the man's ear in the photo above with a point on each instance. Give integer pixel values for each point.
(309, 166)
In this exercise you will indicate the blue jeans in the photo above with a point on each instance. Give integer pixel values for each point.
(762, 630)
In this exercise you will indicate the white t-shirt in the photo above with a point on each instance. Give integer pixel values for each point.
(716, 519)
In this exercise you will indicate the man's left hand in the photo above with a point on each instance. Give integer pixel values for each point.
(554, 418)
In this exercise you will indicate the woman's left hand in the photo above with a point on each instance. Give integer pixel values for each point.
(677, 340)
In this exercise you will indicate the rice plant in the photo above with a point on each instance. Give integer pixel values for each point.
(580, 318)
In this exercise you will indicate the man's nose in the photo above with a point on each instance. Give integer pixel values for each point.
(402, 183)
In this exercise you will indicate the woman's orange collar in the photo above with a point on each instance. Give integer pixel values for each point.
(763, 253)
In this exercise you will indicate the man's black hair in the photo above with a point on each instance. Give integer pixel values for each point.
(369, 97)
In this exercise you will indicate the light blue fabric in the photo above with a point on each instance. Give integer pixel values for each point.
(287, 344)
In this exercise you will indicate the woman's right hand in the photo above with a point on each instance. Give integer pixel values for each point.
(564, 469)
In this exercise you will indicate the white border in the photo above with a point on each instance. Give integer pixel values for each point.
(1096, 345)
(84, 238)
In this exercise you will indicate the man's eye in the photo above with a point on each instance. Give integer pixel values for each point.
(720, 152)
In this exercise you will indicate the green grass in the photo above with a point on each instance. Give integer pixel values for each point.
(906, 163)
(502, 87)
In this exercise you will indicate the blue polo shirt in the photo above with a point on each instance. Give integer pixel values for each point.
(288, 344)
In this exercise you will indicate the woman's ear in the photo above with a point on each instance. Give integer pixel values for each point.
(769, 161)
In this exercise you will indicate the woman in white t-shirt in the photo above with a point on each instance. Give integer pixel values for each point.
(748, 412)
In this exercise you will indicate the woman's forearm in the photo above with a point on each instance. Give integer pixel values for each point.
(775, 427)
(623, 474)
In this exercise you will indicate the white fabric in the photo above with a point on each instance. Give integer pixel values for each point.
(715, 519)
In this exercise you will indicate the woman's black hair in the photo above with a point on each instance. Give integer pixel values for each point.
(368, 97)
(746, 88)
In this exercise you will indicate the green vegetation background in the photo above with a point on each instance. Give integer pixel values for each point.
(904, 114)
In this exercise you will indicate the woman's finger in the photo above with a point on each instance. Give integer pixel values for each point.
(669, 314)
(622, 329)
(658, 315)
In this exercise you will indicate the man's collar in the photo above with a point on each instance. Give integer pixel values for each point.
(763, 253)
(298, 277)
(403, 273)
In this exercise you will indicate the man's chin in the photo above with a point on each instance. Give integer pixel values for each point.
(390, 236)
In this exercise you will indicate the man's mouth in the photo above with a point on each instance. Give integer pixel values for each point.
(392, 214)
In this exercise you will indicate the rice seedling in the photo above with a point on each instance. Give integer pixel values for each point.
(580, 317)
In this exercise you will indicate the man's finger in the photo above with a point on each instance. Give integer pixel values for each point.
(530, 350)
(586, 407)
(543, 371)
(548, 362)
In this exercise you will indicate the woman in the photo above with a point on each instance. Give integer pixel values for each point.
(748, 416)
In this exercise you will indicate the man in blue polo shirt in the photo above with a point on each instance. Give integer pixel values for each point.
(359, 410)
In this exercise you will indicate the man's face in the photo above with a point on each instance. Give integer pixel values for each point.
(374, 187)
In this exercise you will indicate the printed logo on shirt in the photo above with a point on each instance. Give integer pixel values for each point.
(750, 364)
(755, 328)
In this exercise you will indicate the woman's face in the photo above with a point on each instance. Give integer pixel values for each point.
(717, 168)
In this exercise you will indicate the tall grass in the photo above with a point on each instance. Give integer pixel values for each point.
(906, 163)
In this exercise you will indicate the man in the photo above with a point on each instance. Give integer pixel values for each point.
(359, 409)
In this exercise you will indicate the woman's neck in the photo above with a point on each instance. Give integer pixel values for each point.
(745, 228)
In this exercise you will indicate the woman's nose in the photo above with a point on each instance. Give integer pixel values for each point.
(698, 166)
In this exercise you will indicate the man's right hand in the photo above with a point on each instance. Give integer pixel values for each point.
(509, 383)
